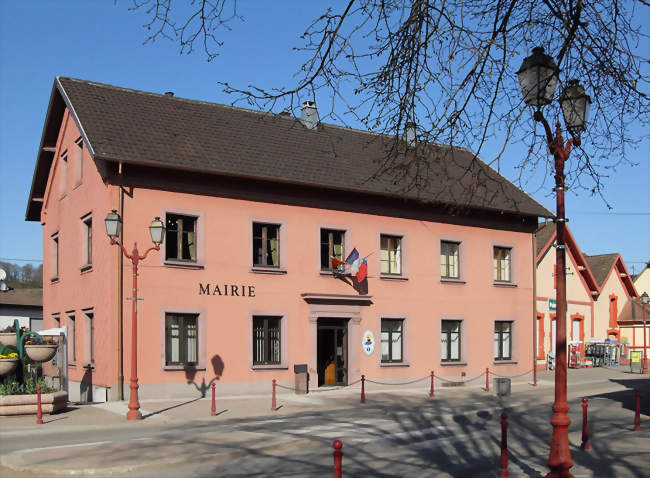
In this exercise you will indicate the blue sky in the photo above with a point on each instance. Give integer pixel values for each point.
(102, 41)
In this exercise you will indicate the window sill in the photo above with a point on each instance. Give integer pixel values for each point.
(86, 268)
(504, 284)
(270, 367)
(172, 368)
(89, 366)
(267, 270)
(53, 280)
(393, 277)
(445, 280)
(395, 364)
(453, 364)
(505, 362)
(183, 265)
(72, 364)
(325, 272)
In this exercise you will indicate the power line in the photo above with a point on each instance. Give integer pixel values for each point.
(20, 260)
(613, 213)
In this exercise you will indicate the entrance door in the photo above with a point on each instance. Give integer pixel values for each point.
(332, 353)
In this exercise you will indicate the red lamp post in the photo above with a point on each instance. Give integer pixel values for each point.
(644, 303)
(538, 77)
(113, 227)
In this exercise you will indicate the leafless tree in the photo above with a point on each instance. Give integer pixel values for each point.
(450, 67)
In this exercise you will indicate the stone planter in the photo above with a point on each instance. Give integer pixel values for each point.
(40, 352)
(8, 338)
(8, 365)
(27, 404)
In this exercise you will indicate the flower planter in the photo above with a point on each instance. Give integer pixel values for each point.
(40, 353)
(8, 365)
(28, 404)
(8, 338)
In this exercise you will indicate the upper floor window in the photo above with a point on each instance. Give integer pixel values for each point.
(266, 244)
(55, 256)
(501, 262)
(391, 254)
(78, 160)
(449, 260)
(332, 244)
(391, 340)
(266, 340)
(63, 173)
(502, 340)
(181, 339)
(450, 340)
(88, 240)
(180, 237)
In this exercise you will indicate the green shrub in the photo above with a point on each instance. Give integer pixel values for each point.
(10, 386)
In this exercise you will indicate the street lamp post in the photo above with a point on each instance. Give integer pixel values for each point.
(644, 302)
(113, 223)
(538, 78)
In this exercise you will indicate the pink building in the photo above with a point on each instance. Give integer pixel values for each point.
(258, 209)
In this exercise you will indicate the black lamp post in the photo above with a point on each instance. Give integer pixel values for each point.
(644, 303)
(538, 78)
(113, 223)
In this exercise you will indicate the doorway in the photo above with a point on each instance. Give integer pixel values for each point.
(332, 351)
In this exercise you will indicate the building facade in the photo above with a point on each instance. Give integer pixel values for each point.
(260, 211)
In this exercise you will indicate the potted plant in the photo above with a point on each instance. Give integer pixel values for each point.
(8, 363)
(38, 351)
(8, 335)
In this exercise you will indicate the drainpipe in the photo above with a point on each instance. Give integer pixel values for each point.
(120, 297)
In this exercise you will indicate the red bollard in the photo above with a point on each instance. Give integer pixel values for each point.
(39, 410)
(504, 446)
(637, 414)
(431, 391)
(273, 407)
(213, 411)
(338, 458)
(363, 389)
(487, 379)
(585, 427)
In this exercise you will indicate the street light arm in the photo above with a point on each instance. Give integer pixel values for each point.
(114, 242)
(154, 248)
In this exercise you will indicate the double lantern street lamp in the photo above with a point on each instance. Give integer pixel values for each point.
(644, 304)
(538, 78)
(157, 230)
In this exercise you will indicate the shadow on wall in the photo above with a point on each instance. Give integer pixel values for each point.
(217, 367)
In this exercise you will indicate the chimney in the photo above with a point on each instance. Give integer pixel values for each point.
(410, 133)
(309, 115)
(169, 93)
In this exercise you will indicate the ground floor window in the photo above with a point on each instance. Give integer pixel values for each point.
(450, 341)
(181, 339)
(502, 340)
(391, 340)
(266, 340)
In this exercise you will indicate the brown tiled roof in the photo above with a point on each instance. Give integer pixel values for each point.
(33, 297)
(136, 127)
(600, 266)
(545, 231)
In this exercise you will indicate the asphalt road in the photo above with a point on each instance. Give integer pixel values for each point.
(392, 435)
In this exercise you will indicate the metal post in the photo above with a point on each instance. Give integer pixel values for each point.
(644, 367)
(535, 375)
(134, 402)
(585, 427)
(431, 390)
(39, 410)
(338, 458)
(363, 389)
(213, 411)
(487, 379)
(273, 406)
(503, 472)
(637, 413)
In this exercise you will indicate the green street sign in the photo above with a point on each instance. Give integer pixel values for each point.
(552, 305)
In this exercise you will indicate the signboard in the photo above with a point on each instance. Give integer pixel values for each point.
(368, 342)
(552, 305)
(635, 360)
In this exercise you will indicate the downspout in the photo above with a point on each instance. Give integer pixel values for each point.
(534, 249)
(120, 295)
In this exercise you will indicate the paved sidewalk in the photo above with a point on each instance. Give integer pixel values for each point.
(142, 453)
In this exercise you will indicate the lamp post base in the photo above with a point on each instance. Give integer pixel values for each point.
(134, 415)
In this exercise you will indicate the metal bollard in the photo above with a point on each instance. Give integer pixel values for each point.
(363, 389)
(273, 406)
(535, 375)
(431, 390)
(338, 458)
(487, 379)
(585, 427)
(637, 413)
(504, 446)
(39, 409)
(213, 411)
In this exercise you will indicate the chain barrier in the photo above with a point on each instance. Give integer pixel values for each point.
(400, 383)
(511, 376)
(286, 388)
(459, 381)
(329, 389)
